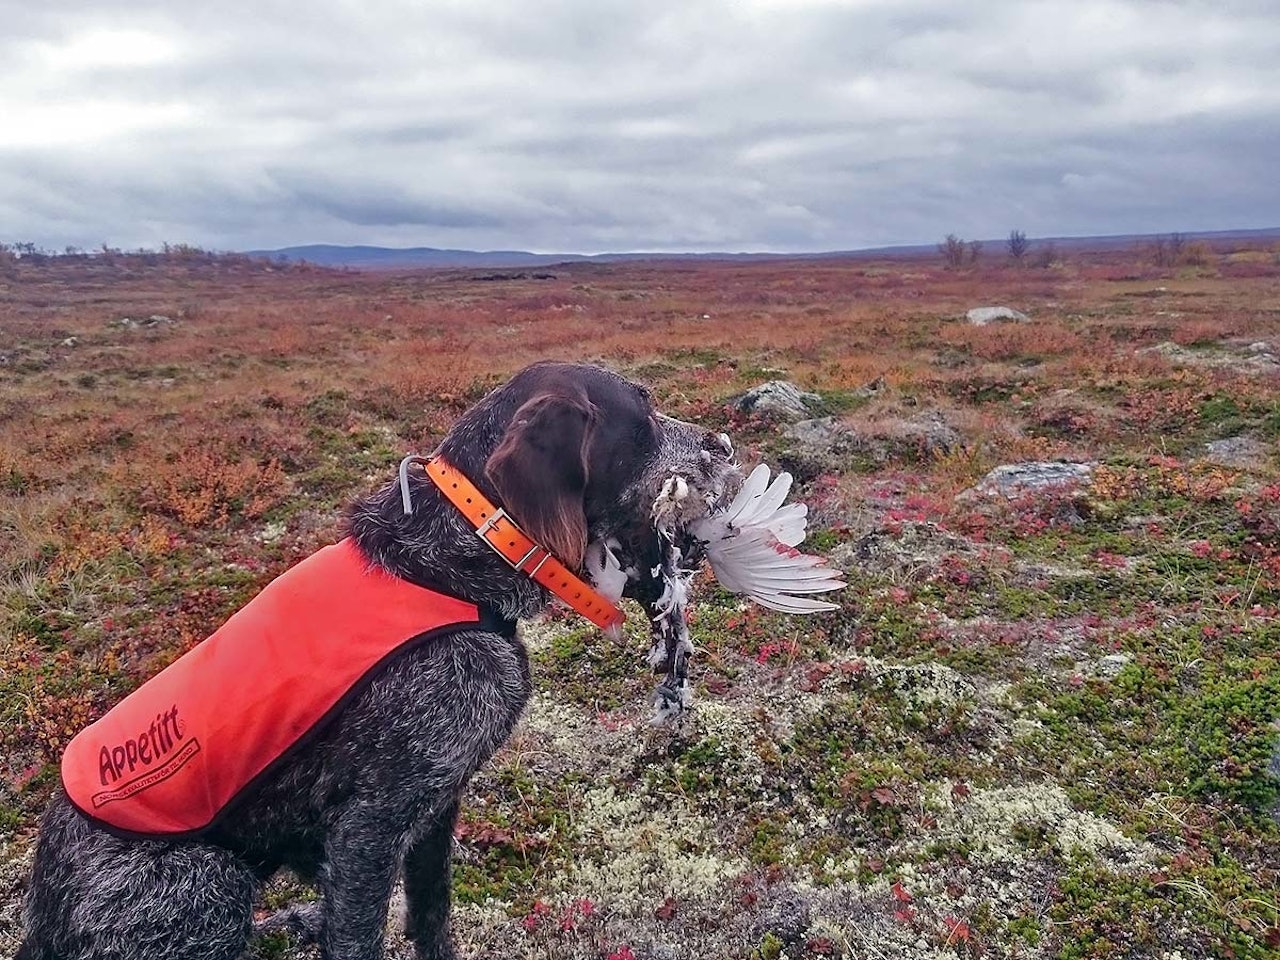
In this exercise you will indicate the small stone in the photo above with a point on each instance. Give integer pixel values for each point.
(981, 316)
(1017, 479)
(1242, 452)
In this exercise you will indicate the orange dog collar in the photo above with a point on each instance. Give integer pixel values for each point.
(495, 527)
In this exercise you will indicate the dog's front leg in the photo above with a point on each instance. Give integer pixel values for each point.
(361, 863)
(426, 887)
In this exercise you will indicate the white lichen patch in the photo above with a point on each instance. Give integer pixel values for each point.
(633, 853)
(741, 735)
(558, 727)
(923, 684)
(1024, 728)
(485, 930)
(556, 737)
(272, 532)
(1010, 823)
(537, 634)
(15, 868)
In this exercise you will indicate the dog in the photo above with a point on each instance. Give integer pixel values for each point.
(577, 455)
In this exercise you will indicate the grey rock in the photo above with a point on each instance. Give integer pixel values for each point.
(787, 917)
(133, 323)
(915, 548)
(981, 316)
(930, 434)
(1018, 479)
(1243, 452)
(778, 399)
(1255, 358)
(824, 445)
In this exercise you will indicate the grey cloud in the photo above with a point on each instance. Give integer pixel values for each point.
(370, 205)
(575, 125)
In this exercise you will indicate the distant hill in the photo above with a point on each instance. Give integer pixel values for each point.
(330, 255)
(366, 257)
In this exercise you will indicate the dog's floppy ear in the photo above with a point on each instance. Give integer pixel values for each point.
(541, 468)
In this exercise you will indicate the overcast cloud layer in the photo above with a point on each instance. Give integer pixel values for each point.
(588, 125)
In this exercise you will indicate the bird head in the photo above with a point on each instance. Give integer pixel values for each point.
(691, 474)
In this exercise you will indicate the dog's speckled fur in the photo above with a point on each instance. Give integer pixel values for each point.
(376, 793)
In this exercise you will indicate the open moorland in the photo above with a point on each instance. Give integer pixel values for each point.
(1040, 727)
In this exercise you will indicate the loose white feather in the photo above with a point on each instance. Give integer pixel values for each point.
(604, 570)
(607, 575)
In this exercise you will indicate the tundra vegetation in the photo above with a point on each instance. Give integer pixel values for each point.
(1040, 727)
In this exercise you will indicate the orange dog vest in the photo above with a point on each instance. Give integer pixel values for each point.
(171, 757)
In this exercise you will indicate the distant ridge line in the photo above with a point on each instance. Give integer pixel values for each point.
(337, 255)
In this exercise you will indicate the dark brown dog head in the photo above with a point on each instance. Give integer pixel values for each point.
(576, 454)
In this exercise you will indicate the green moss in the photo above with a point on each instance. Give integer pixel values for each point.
(1224, 414)
(11, 817)
(1173, 720)
(767, 839)
(1100, 914)
(770, 947)
(333, 482)
(697, 769)
(583, 667)
(272, 946)
(1026, 929)
(1224, 734)
(330, 408)
(835, 402)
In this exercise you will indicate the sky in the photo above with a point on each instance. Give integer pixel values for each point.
(595, 125)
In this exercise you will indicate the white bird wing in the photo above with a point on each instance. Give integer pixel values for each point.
(752, 548)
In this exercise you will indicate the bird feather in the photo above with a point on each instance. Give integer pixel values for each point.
(751, 546)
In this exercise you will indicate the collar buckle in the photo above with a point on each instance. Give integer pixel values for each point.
(490, 525)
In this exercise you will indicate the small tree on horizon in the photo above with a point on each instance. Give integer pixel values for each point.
(1167, 251)
(952, 249)
(1018, 246)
